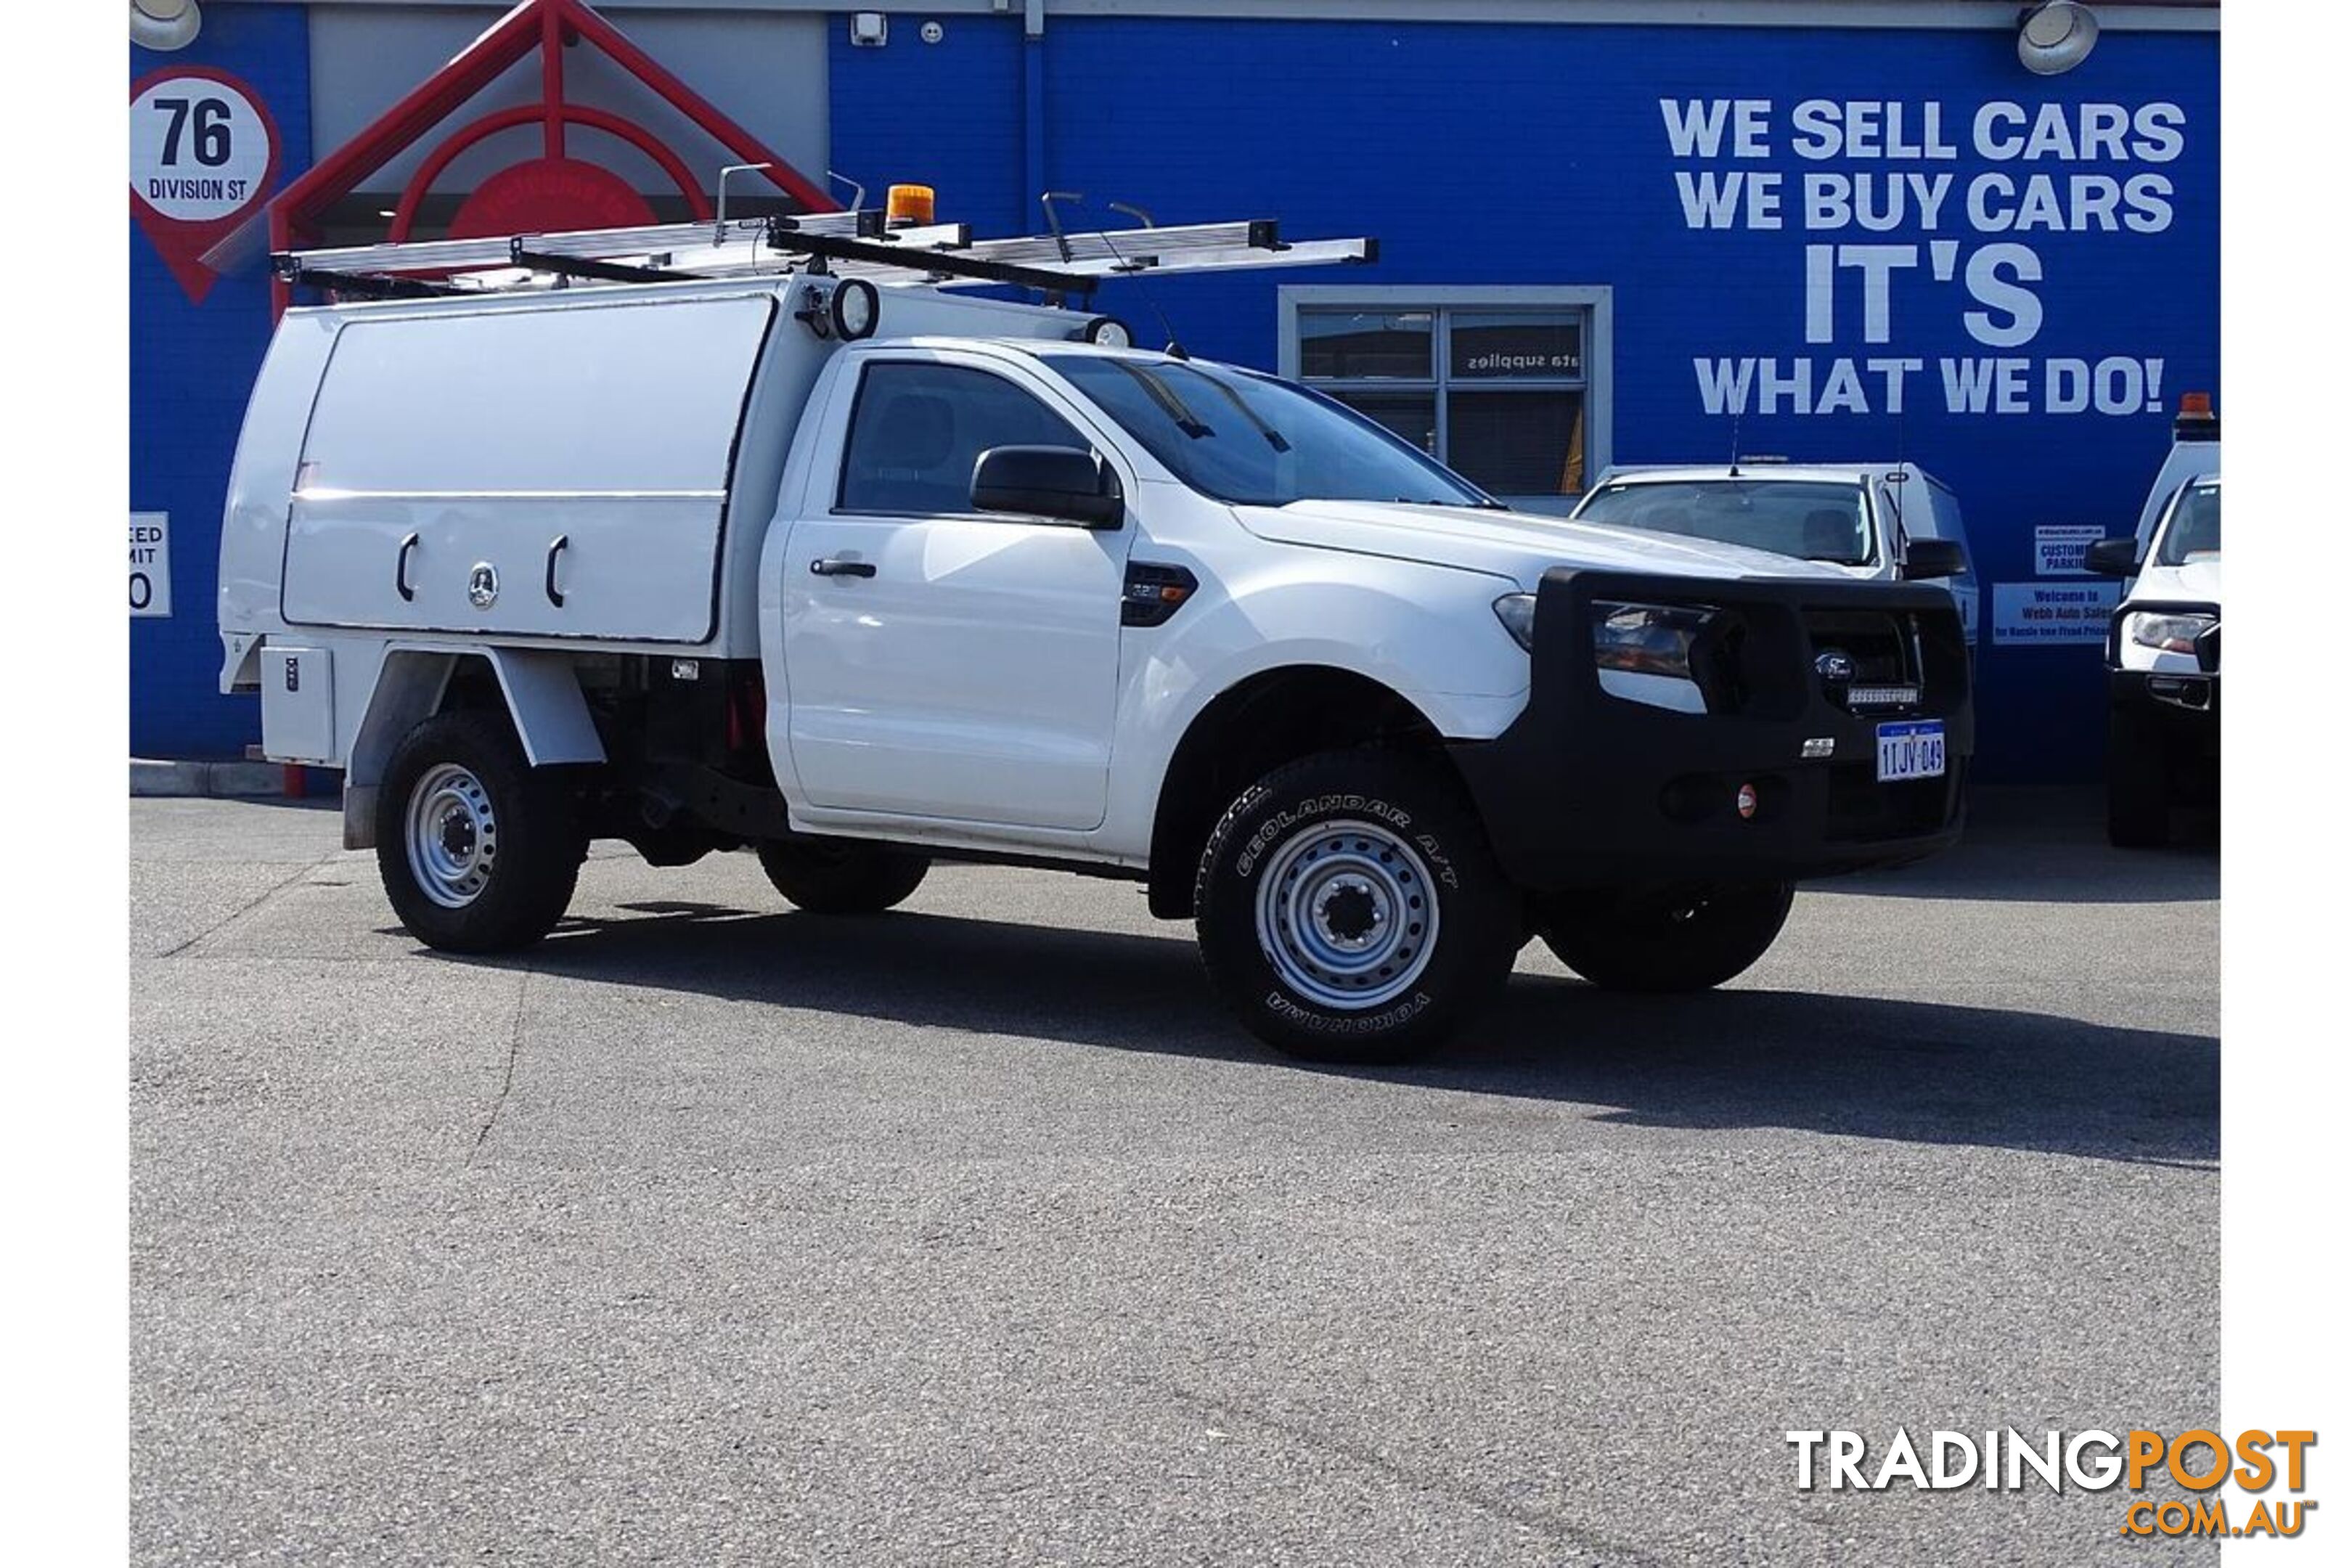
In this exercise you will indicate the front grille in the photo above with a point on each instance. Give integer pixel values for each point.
(1886, 660)
(1874, 651)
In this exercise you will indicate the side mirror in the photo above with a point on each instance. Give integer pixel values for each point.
(1924, 558)
(2113, 557)
(1060, 482)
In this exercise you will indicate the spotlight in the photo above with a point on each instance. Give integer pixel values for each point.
(164, 24)
(2056, 36)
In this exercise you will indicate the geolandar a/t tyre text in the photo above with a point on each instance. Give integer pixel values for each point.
(1349, 909)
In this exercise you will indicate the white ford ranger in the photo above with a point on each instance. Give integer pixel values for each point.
(815, 555)
(2163, 642)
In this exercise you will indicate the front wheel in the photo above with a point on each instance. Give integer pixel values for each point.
(1349, 909)
(478, 850)
(1688, 940)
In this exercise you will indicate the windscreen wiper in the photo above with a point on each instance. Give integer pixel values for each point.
(1272, 436)
(1173, 405)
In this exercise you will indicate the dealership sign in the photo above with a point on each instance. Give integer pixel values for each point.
(2051, 615)
(1902, 218)
(2059, 548)
(203, 152)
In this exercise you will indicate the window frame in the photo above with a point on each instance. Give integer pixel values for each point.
(865, 370)
(1595, 301)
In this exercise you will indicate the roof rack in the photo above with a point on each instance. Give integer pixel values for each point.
(857, 243)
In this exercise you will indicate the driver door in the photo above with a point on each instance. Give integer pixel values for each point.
(945, 663)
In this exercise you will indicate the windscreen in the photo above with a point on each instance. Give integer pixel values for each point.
(1252, 440)
(2195, 530)
(1816, 521)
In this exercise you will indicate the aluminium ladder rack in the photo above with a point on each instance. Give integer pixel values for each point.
(848, 245)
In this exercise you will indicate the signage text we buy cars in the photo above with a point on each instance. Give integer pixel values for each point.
(1915, 214)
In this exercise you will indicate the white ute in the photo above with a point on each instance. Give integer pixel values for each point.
(771, 536)
(1876, 522)
(2163, 642)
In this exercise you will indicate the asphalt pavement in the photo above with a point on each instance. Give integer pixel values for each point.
(712, 1233)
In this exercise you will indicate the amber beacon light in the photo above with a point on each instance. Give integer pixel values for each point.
(910, 205)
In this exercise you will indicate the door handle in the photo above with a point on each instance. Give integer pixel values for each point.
(835, 567)
(555, 594)
(400, 569)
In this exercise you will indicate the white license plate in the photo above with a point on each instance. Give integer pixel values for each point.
(1912, 750)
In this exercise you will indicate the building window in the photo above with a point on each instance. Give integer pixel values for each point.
(1505, 385)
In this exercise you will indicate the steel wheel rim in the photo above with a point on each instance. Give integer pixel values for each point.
(452, 835)
(1347, 914)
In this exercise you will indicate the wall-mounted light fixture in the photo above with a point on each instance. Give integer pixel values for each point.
(164, 24)
(2056, 36)
(869, 29)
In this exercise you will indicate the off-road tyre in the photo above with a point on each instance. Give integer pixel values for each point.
(1691, 940)
(479, 851)
(1370, 847)
(842, 876)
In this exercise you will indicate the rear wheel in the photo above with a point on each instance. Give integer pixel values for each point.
(2139, 785)
(1349, 909)
(1687, 940)
(842, 876)
(480, 852)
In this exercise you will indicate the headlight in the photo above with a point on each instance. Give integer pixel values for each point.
(2166, 633)
(1647, 639)
(1517, 614)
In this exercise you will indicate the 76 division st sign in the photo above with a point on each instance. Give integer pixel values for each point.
(204, 153)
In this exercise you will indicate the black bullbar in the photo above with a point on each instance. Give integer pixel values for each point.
(1777, 780)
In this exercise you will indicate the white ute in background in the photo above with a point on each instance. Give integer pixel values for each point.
(1876, 522)
(771, 537)
(2163, 642)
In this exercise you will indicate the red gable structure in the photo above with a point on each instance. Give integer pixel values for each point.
(554, 191)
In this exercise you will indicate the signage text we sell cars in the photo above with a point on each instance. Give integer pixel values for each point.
(1922, 205)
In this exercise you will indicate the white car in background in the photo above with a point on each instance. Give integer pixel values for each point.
(2164, 651)
(1879, 522)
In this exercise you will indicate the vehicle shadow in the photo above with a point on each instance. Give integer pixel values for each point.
(1851, 1066)
(2050, 847)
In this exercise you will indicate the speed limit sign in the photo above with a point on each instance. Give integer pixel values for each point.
(203, 154)
(150, 563)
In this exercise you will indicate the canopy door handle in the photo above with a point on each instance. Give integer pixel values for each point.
(555, 594)
(400, 569)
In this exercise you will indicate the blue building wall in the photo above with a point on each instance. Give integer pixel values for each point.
(192, 367)
(1485, 154)
(1479, 154)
